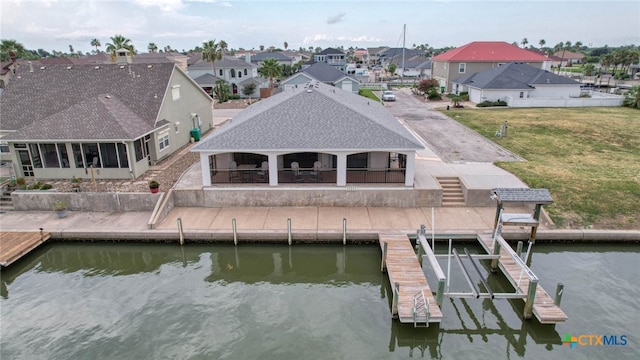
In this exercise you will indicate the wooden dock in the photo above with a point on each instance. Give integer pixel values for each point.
(14, 245)
(544, 308)
(404, 269)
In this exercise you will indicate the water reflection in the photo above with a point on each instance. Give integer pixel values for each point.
(327, 300)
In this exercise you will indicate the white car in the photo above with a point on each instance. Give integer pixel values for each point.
(388, 96)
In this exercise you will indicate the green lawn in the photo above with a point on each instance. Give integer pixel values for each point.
(368, 94)
(589, 159)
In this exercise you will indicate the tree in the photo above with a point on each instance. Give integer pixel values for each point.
(270, 68)
(427, 84)
(71, 51)
(95, 42)
(524, 42)
(211, 53)
(541, 43)
(119, 42)
(632, 98)
(248, 90)
(392, 69)
(7, 46)
(588, 69)
(261, 47)
(286, 45)
(221, 91)
(152, 47)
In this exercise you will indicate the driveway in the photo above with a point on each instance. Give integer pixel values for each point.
(451, 141)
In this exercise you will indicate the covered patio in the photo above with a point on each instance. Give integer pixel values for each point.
(311, 134)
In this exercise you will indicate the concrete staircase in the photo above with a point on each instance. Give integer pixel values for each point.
(451, 191)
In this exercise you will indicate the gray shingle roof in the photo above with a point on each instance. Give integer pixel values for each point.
(330, 51)
(324, 72)
(45, 93)
(325, 118)
(513, 76)
(206, 80)
(93, 114)
(269, 55)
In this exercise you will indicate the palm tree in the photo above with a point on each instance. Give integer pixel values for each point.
(152, 47)
(286, 45)
(271, 69)
(211, 53)
(119, 42)
(7, 46)
(524, 42)
(542, 42)
(95, 42)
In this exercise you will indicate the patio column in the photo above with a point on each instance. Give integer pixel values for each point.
(410, 169)
(206, 172)
(342, 170)
(273, 169)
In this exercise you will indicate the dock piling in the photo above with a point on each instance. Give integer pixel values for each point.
(289, 230)
(396, 295)
(344, 231)
(559, 292)
(383, 265)
(519, 249)
(235, 234)
(531, 296)
(180, 231)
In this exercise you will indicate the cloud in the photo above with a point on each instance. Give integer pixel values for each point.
(164, 5)
(334, 19)
(324, 38)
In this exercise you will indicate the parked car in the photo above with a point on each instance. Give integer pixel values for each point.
(388, 96)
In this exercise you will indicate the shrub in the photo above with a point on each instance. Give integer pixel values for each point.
(59, 205)
(153, 184)
(20, 181)
(434, 94)
(46, 187)
(35, 186)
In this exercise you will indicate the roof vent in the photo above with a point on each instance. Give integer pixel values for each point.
(97, 67)
(309, 90)
(42, 67)
(121, 66)
(30, 67)
(108, 96)
(69, 67)
(149, 66)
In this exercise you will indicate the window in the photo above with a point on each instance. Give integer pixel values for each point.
(175, 92)
(521, 94)
(109, 155)
(220, 72)
(462, 68)
(163, 139)
(50, 155)
(91, 155)
(62, 153)
(245, 72)
(4, 148)
(233, 73)
(36, 159)
(77, 155)
(122, 154)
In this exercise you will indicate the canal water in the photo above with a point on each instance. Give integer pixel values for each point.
(211, 301)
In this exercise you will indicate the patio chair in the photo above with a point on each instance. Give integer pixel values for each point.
(315, 174)
(295, 170)
(233, 171)
(264, 170)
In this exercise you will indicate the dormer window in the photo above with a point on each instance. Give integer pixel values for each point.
(122, 53)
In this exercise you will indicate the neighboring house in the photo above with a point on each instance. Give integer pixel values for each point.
(480, 56)
(333, 57)
(282, 59)
(313, 133)
(418, 67)
(395, 55)
(374, 55)
(361, 56)
(516, 80)
(106, 121)
(296, 57)
(324, 73)
(552, 60)
(569, 58)
(233, 71)
(6, 72)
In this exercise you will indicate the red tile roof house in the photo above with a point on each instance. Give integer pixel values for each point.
(480, 56)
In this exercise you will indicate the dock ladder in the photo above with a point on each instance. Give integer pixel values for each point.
(420, 309)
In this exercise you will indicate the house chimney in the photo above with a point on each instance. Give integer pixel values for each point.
(123, 56)
(30, 67)
(247, 57)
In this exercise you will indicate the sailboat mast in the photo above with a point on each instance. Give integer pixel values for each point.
(404, 35)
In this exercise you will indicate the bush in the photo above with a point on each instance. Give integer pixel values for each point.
(46, 187)
(434, 94)
(153, 184)
(234, 97)
(35, 186)
(487, 103)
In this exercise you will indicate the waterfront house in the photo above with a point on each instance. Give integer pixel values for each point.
(107, 121)
(313, 133)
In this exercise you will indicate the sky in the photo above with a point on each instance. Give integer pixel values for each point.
(185, 24)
